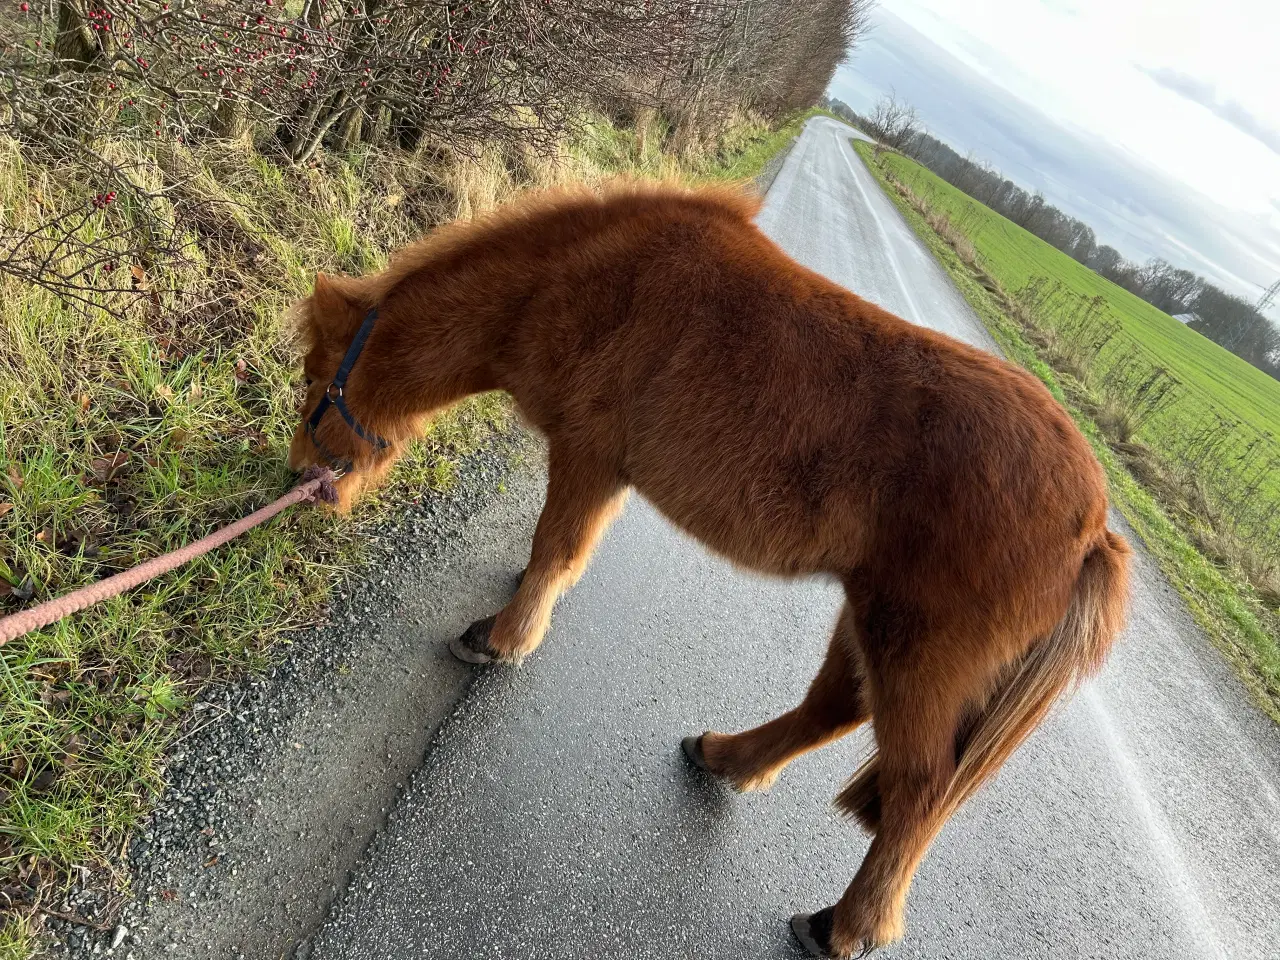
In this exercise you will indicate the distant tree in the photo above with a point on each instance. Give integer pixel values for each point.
(849, 115)
(1105, 259)
(1084, 243)
(1230, 321)
(1167, 287)
(1236, 324)
(894, 122)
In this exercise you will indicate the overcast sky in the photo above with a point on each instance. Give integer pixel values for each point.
(1155, 121)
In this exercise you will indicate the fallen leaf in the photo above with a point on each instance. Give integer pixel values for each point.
(104, 468)
(60, 697)
(164, 391)
(210, 862)
(15, 476)
(168, 896)
(23, 592)
(196, 390)
(75, 540)
(242, 370)
(5, 507)
(45, 535)
(178, 436)
(44, 780)
(84, 402)
(139, 277)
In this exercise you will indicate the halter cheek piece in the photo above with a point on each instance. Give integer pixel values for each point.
(333, 397)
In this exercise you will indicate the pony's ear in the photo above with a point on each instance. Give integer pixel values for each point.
(332, 307)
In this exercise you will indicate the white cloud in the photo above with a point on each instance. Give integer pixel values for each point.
(1179, 100)
(1206, 94)
(1087, 68)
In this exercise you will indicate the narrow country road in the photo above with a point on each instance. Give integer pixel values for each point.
(554, 816)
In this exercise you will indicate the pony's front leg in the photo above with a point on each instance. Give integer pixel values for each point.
(582, 497)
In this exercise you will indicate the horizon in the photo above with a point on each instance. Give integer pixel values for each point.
(1132, 141)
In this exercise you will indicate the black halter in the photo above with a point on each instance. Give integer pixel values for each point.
(333, 396)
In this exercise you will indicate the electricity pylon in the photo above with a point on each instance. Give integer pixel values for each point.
(1268, 296)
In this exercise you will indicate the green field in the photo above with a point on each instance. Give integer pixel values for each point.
(1219, 416)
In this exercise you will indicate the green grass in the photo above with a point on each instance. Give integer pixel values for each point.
(756, 145)
(1222, 600)
(124, 436)
(738, 154)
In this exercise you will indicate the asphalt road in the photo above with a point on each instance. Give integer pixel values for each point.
(554, 816)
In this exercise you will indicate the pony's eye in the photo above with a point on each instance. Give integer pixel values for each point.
(309, 381)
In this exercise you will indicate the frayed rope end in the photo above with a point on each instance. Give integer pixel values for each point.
(326, 491)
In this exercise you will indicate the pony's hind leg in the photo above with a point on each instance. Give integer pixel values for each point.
(918, 710)
(581, 500)
(834, 706)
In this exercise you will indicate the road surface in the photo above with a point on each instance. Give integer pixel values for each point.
(554, 816)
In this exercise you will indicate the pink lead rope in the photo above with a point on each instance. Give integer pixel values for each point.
(317, 484)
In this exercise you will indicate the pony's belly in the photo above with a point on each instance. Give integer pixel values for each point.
(770, 532)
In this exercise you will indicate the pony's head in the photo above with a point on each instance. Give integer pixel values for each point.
(333, 417)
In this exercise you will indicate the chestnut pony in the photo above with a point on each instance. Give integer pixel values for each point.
(660, 341)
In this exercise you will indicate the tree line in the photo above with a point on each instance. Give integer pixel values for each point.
(1225, 318)
(78, 78)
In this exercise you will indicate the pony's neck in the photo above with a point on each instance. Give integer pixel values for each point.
(441, 326)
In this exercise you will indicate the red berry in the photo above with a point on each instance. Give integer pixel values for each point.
(24, 7)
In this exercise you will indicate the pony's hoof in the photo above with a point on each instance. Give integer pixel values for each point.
(813, 930)
(473, 645)
(692, 747)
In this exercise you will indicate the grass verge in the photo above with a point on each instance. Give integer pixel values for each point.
(127, 434)
(1222, 601)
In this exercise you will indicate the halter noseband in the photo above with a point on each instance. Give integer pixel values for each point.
(333, 397)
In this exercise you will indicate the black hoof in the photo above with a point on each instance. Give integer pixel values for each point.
(473, 645)
(692, 747)
(813, 930)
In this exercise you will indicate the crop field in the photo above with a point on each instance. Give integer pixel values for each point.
(1198, 406)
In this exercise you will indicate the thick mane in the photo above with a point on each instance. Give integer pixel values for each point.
(538, 207)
